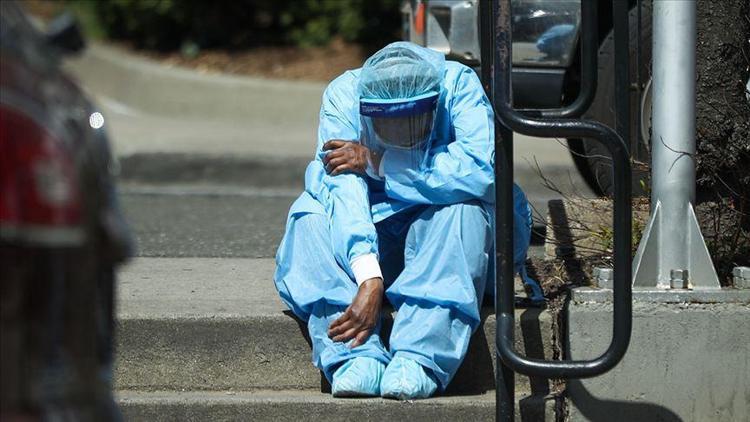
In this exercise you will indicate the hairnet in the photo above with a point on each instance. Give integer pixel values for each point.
(401, 70)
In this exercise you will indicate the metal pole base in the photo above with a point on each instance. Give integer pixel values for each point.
(652, 269)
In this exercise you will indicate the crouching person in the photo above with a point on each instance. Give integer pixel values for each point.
(398, 203)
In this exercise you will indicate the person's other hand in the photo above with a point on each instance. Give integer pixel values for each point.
(361, 317)
(345, 156)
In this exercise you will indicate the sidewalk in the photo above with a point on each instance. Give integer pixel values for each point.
(152, 108)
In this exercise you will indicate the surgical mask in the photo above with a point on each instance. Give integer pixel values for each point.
(403, 125)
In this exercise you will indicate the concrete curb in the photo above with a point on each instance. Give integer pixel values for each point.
(694, 342)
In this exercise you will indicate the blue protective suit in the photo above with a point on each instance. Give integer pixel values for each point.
(431, 229)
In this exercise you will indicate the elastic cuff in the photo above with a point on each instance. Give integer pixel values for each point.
(365, 267)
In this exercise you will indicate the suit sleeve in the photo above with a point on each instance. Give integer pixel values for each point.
(345, 196)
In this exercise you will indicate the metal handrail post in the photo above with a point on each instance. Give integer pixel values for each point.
(505, 382)
(622, 224)
(496, 30)
(622, 70)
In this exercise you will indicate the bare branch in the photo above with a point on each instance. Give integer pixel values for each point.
(682, 153)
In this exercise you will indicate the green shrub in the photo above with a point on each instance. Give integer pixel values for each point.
(168, 24)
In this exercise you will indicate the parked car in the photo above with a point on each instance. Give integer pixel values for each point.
(546, 65)
(61, 231)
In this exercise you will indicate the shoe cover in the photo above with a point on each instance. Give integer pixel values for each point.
(358, 377)
(405, 379)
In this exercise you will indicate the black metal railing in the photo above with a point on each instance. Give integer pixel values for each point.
(496, 47)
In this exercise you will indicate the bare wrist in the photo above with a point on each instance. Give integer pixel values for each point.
(375, 282)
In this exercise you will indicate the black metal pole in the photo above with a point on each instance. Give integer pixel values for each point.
(504, 376)
(504, 298)
(622, 69)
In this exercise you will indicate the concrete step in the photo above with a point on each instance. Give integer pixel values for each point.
(218, 324)
(297, 406)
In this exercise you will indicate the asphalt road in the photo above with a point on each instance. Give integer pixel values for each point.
(190, 224)
(223, 205)
(183, 221)
(192, 205)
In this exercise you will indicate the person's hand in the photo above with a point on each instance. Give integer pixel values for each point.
(361, 317)
(345, 156)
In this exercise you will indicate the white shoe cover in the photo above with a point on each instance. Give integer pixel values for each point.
(405, 379)
(358, 377)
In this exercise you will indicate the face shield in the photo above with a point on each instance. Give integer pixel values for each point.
(403, 125)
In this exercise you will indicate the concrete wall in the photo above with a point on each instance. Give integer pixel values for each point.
(687, 361)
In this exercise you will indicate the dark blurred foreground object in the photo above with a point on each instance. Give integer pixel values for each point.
(61, 233)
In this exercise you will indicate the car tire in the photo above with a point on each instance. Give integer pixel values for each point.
(596, 157)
